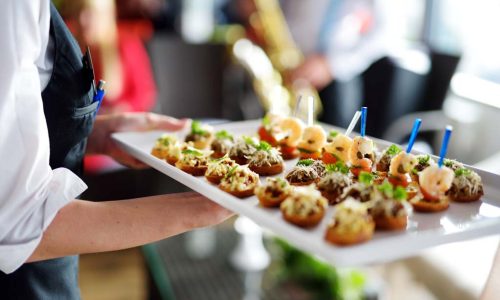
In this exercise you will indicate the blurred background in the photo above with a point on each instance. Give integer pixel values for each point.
(236, 59)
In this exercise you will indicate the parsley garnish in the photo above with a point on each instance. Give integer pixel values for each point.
(305, 162)
(393, 150)
(400, 193)
(423, 160)
(462, 172)
(231, 172)
(386, 188)
(192, 152)
(333, 133)
(264, 146)
(196, 128)
(337, 167)
(223, 135)
(266, 121)
(448, 163)
(249, 141)
(365, 178)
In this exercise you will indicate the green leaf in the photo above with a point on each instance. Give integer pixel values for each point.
(196, 128)
(249, 141)
(305, 162)
(337, 167)
(462, 172)
(386, 188)
(423, 160)
(231, 172)
(266, 121)
(365, 178)
(448, 163)
(400, 193)
(223, 135)
(264, 146)
(333, 133)
(192, 152)
(393, 150)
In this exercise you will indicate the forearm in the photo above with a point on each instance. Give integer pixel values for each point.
(85, 227)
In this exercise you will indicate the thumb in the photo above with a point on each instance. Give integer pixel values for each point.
(159, 122)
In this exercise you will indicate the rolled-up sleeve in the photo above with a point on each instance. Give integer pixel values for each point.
(31, 193)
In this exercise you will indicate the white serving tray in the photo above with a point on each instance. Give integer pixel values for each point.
(462, 221)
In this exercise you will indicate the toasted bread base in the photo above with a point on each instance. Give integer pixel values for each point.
(195, 171)
(390, 222)
(346, 239)
(172, 160)
(421, 205)
(158, 153)
(303, 183)
(239, 194)
(214, 178)
(271, 202)
(287, 155)
(267, 170)
(309, 221)
(465, 199)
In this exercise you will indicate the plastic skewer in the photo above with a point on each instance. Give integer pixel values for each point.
(297, 106)
(413, 136)
(310, 111)
(353, 123)
(444, 145)
(364, 111)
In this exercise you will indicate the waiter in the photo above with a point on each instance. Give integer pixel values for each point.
(46, 126)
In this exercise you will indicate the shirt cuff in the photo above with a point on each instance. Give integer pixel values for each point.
(63, 187)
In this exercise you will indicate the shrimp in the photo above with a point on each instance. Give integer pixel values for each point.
(402, 163)
(292, 129)
(339, 146)
(313, 138)
(436, 181)
(362, 147)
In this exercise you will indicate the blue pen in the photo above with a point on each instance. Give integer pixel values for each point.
(99, 95)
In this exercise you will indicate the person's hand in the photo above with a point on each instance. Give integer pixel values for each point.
(315, 70)
(100, 141)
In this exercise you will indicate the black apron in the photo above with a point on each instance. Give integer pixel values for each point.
(69, 111)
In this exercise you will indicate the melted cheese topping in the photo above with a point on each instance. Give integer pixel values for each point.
(192, 160)
(351, 216)
(304, 201)
(266, 158)
(302, 174)
(273, 185)
(467, 185)
(241, 179)
(241, 148)
(220, 167)
(334, 182)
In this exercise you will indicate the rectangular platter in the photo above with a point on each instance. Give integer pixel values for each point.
(462, 221)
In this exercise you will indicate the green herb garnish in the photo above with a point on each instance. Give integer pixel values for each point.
(448, 163)
(462, 172)
(223, 135)
(192, 152)
(266, 121)
(399, 193)
(249, 141)
(333, 133)
(424, 160)
(337, 167)
(264, 146)
(166, 140)
(386, 188)
(393, 150)
(231, 172)
(196, 128)
(365, 178)
(305, 162)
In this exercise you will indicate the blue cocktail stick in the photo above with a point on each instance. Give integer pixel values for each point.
(444, 145)
(364, 110)
(413, 136)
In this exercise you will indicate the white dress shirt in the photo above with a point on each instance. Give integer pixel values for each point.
(31, 193)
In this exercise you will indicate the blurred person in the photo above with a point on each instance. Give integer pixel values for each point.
(340, 40)
(47, 124)
(119, 57)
